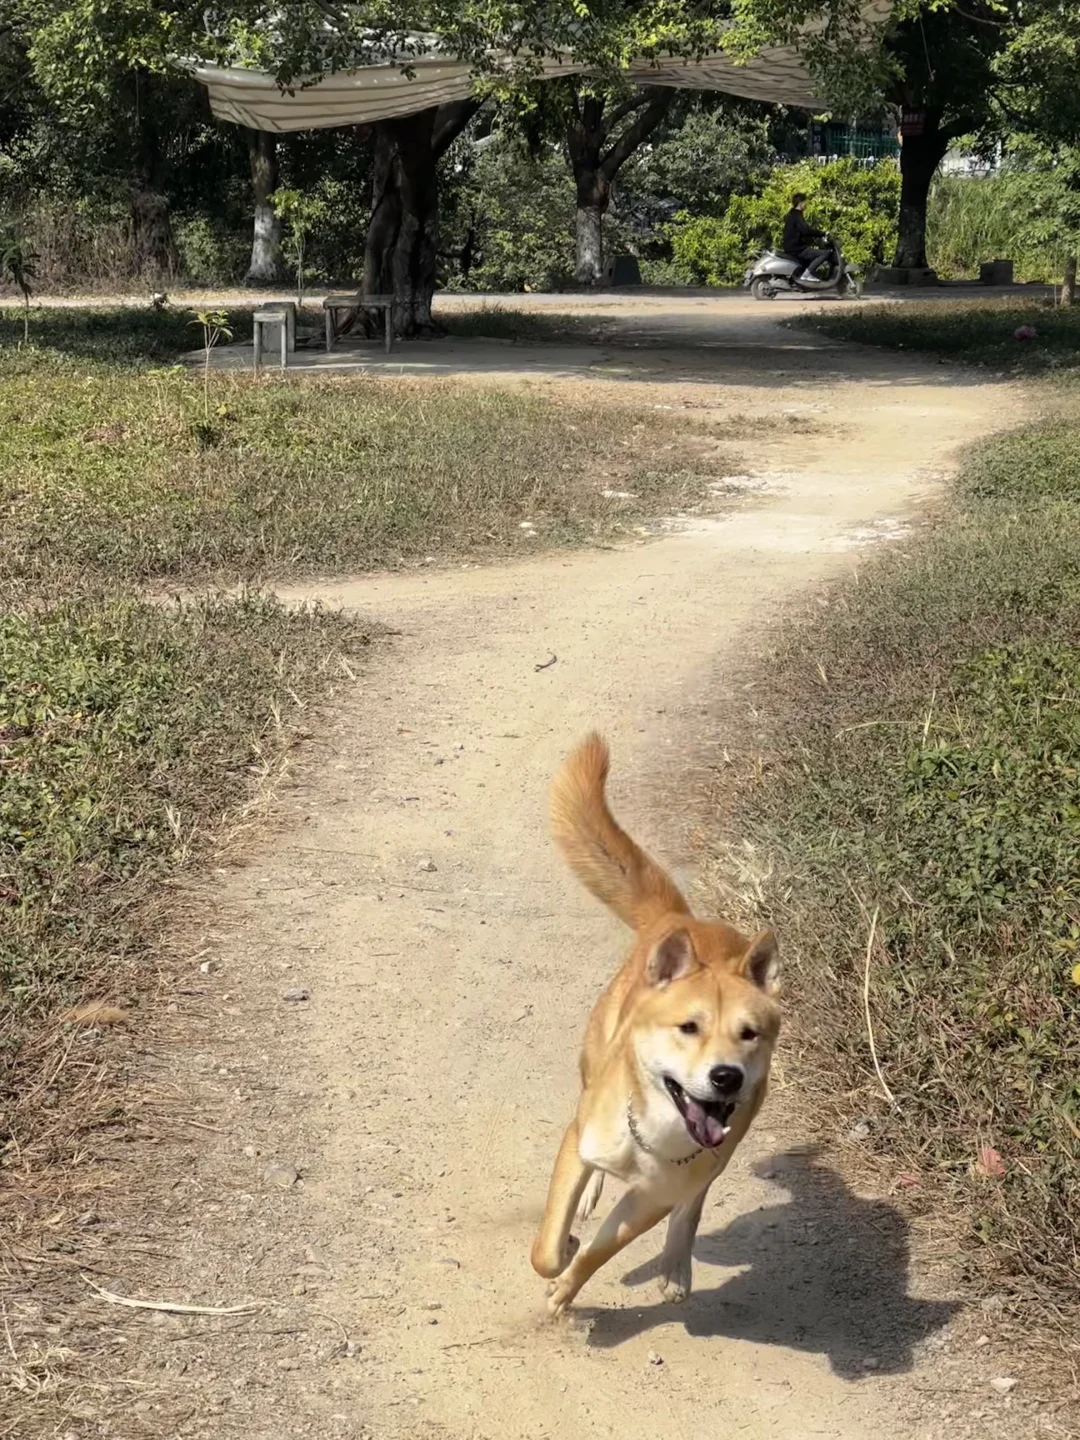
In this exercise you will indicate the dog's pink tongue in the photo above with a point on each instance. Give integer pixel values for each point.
(705, 1128)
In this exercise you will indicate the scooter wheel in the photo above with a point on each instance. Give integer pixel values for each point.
(762, 289)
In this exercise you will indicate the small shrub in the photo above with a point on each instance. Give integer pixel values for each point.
(209, 253)
(710, 250)
(301, 214)
(79, 243)
(18, 264)
(520, 209)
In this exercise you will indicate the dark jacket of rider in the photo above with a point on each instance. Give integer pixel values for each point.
(798, 234)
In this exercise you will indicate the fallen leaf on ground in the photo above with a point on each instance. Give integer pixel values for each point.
(990, 1163)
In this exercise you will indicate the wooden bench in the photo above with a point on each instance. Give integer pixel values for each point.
(281, 313)
(333, 303)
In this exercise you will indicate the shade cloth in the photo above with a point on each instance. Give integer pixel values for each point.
(384, 90)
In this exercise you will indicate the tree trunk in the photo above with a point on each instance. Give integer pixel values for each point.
(401, 253)
(1068, 287)
(589, 264)
(920, 156)
(151, 231)
(265, 266)
(584, 142)
(153, 248)
(595, 167)
(402, 240)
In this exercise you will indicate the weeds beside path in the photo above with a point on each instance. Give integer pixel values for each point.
(921, 764)
(113, 472)
(1021, 337)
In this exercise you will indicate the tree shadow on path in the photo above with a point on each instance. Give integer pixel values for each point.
(825, 1273)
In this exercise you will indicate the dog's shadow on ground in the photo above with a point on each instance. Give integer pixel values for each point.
(825, 1272)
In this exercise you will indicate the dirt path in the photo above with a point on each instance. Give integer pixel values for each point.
(451, 961)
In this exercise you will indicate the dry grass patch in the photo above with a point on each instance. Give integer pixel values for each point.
(107, 473)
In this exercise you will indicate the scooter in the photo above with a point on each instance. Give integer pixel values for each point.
(771, 274)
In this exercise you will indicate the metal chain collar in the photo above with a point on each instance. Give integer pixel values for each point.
(640, 1140)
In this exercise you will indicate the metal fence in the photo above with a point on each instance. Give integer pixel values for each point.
(834, 142)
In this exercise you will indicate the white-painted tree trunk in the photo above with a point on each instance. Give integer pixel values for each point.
(265, 266)
(589, 267)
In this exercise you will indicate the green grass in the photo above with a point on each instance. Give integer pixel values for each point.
(138, 335)
(923, 761)
(120, 474)
(131, 731)
(970, 331)
(128, 732)
(1036, 463)
(119, 336)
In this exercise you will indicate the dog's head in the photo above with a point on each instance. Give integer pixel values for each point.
(706, 1020)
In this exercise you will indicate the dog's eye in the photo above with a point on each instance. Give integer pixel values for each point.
(689, 1027)
(747, 1033)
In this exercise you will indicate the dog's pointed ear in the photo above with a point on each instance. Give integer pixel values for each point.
(671, 959)
(761, 963)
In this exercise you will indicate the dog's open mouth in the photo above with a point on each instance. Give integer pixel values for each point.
(706, 1120)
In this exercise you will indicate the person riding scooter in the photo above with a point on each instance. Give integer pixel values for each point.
(797, 237)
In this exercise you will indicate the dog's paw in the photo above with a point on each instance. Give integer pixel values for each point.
(592, 1194)
(675, 1283)
(560, 1294)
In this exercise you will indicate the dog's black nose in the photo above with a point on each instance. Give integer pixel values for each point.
(726, 1079)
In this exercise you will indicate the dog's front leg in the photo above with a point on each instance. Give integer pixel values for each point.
(676, 1263)
(554, 1246)
(632, 1216)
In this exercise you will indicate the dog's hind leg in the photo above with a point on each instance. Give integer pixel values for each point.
(554, 1246)
(676, 1262)
(593, 1191)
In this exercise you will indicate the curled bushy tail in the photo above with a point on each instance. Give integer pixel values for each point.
(601, 855)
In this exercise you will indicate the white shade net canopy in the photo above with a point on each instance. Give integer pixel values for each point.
(382, 91)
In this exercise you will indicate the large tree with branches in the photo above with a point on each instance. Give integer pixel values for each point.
(945, 85)
(401, 250)
(602, 130)
(979, 70)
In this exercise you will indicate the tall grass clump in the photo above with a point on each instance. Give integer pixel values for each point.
(1027, 212)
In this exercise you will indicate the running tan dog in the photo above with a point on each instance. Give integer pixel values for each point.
(676, 1057)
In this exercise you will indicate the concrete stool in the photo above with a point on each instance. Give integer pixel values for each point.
(281, 313)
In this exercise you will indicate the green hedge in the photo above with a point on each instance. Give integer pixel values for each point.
(858, 203)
